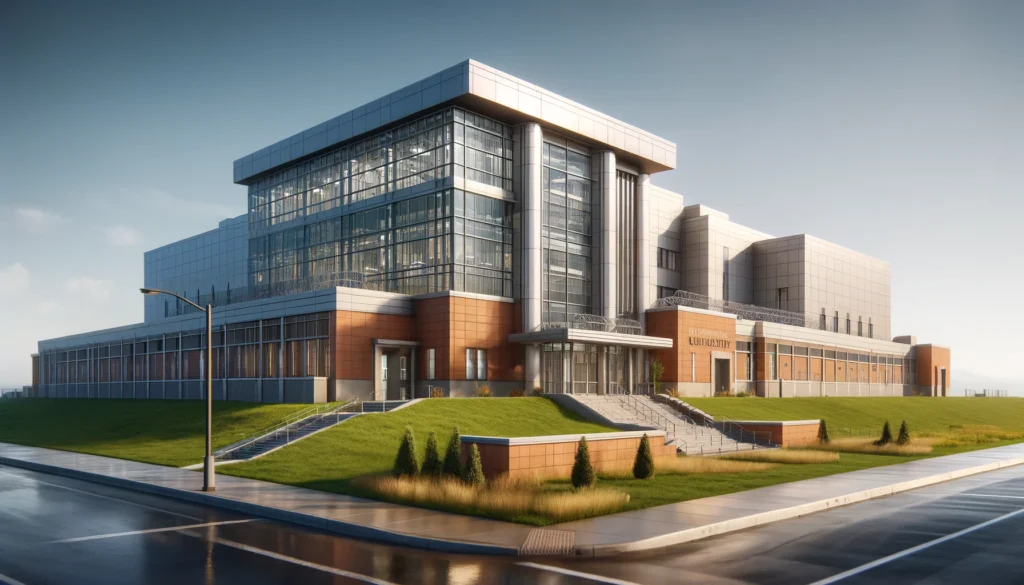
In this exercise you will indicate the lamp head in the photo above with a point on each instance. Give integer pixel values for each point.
(148, 291)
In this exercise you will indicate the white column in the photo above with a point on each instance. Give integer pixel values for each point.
(643, 249)
(529, 152)
(609, 249)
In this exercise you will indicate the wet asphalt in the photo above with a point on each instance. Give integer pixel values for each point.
(61, 530)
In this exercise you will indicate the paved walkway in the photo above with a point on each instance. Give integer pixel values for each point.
(613, 534)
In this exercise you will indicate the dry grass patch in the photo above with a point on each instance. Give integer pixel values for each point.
(866, 446)
(681, 465)
(783, 456)
(513, 499)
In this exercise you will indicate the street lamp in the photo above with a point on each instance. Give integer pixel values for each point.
(208, 462)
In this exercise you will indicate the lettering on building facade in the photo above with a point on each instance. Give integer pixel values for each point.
(709, 338)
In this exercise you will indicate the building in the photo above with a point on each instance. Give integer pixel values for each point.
(475, 230)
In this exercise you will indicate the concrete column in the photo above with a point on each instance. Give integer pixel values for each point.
(643, 249)
(529, 153)
(609, 248)
(602, 369)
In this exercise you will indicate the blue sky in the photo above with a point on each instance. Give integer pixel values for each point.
(893, 128)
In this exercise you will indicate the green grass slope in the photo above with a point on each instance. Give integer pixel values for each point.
(165, 432)
(932, 415)
(367, 444)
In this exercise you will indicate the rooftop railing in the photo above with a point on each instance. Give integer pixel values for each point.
(683, 298)
(596, 323)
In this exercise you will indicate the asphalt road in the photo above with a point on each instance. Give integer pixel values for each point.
(59, 530)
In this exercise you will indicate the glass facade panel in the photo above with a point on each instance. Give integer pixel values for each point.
(566, 231)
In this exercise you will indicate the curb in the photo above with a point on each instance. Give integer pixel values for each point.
(339, 527)
(735, 524)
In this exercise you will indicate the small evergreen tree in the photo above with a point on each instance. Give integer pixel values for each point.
(643, 465)
(453, 456)
(904, 436)
(657, 371)
(886, 437)
(582, 470)
(473, 474)
(432, 464)
(823, 437)
(405, 461)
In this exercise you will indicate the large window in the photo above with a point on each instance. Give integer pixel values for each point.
(431, 371)
(476, 364)
(566, 230)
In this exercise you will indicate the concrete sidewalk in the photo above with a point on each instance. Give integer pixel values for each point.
(607, 535)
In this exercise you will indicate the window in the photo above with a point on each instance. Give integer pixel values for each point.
(665, 292)
(847, 323)
(430, 364)
(835, 322)
(693, 367)
(384, 367)
(476, 364)
(822, 324)
(860, 327)
(782, 298)
(871, 329)
(667, 259)
(401, 368)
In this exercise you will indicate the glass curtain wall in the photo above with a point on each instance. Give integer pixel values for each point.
(565, 230)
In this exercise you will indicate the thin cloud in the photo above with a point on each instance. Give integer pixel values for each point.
(91, 288)
(35, 218)
(14, 279)
(123, 236)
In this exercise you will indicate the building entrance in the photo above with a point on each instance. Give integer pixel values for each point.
(722, 377)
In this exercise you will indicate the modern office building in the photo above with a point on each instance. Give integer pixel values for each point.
(472, 230)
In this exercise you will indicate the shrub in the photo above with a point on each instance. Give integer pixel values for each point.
(657, 371)
(483, 392)
(516, 393)
(904, 436)
(453, 456)
(473, 474)
(432, 464)
(742, 395)
(582, 470)
(672, 392)
(886, 437)
(643, 464)
(437, 392)
(823, 437)
(405, 461)
(537, 391)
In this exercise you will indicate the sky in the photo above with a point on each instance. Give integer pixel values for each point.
(892, 128)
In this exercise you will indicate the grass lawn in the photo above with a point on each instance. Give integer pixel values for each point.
(367, 444)
(866, 415)
(165, 432)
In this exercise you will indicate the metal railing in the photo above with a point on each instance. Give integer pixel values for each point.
(683, 298)
(590, 322)
(650, 415)
(283, 426)
(265, 291)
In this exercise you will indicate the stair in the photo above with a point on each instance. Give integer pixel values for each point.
(688, 435)
(287, 435)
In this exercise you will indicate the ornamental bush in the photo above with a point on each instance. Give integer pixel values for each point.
(643, 464)
(405, 461)
(516, 393)
(437, 392)
(453, 456)
(582, 471)
(904, 436)
(886, 437)
(483, 392)
(432, 464)
(823, 437)
(473, 474)
(537, 391)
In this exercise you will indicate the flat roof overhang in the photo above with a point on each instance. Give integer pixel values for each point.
(564, 335)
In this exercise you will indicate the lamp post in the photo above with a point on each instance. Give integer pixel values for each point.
(208, 462)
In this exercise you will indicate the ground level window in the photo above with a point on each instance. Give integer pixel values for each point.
(476, 364)
(430, 364)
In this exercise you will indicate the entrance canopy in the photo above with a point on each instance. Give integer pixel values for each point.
(570, 335)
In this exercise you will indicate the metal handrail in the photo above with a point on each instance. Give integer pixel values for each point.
(683, 298)
(284, 425)
(659, 419)
(591, 322)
